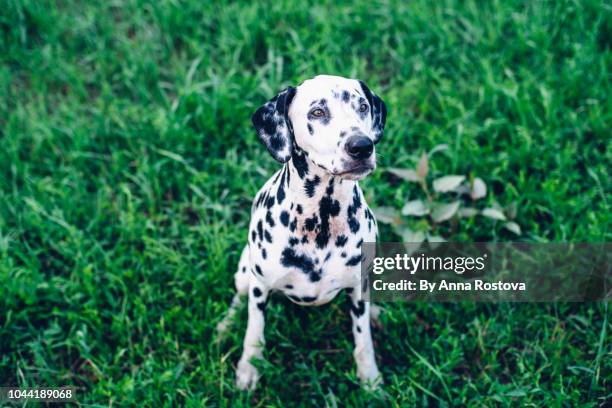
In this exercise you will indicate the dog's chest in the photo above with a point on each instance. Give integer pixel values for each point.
(314, 275)
(310, 247)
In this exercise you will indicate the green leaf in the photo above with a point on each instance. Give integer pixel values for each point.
(386, 215)
(467, 212)
(447, 183)
(416, 208)
(513, 227)
(516, 393)
(438, 148)
(443, 212)
(415, 237)
(479, 189)
(494, 214)
(405, 174)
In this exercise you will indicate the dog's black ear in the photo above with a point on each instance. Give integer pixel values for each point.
(273, 126)
(378, 111)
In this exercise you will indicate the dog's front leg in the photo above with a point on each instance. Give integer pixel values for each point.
(246, 373)
(364, 349)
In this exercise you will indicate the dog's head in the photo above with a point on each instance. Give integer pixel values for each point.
(335, 121)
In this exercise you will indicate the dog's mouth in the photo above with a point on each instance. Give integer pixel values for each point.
(357, 172)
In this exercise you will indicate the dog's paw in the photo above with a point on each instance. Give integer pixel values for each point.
(370, 377)
(372, 382)
(246, 376)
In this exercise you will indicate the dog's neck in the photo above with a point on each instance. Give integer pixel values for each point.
(310, 182)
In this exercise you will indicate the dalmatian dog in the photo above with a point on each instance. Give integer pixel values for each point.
(309, 220)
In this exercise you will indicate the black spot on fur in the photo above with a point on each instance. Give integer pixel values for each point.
(289, 258)
(299, 209)
(268, 236)
(328, 207)
(305, 239)
(269, 219)
(260, 230)
(264, 254)
(359, 309)
(253, 235)
(277, 142)
(258, 270)
(358, 329)
(330, 187)
(288, 286)
(293, 241)
(269, 126)
(261, 306)
(370, 217)
(284, 218)
(257, 292)
(343, 254)
(310, 184)
(280, 193)
(353, 260)
(300, 163)
(270, 202)
(311, 223)
(261, 198)
(341, 240)
(310, 129)
(345, 96)
(352, 211)
(360, 243)
(293, 225)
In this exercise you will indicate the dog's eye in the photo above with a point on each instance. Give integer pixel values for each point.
(363, 107)
(317, 113)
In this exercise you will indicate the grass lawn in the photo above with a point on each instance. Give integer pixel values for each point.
(128, 165)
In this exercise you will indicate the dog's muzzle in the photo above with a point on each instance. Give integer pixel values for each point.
(359, 148)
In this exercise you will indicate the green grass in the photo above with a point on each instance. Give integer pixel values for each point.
(128, 164)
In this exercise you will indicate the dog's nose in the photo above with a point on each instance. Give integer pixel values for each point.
(359, 147)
